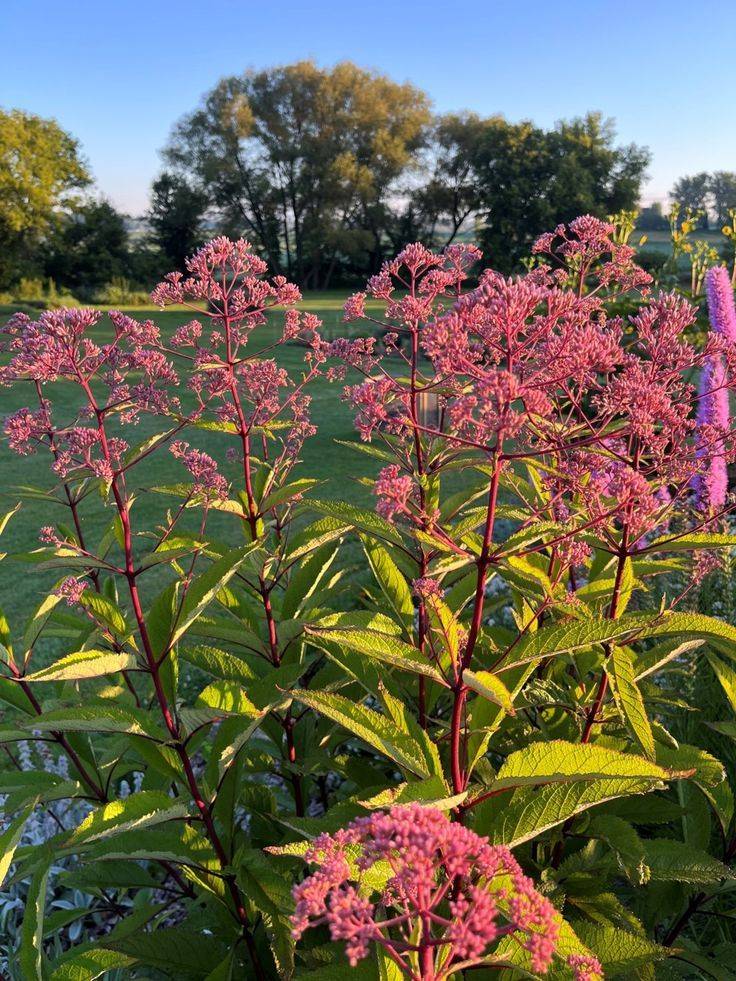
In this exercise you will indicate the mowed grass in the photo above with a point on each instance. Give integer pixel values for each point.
(338, 468)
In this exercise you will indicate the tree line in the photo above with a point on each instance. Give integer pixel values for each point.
(326, 170)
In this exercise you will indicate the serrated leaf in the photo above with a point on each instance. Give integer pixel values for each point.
(365, 521)
(625, 842)
(382, 647)
(84, 664)
(204, 589)
(676, 861)
(619, 951)
(690, 542)
(628, 698)
(562, 762)
(98, 717)
(178, 951)
(141, 810)
(38, 619)
(532, 811)
(368, 725)
(105, 610)
(30, 952)
(10, 839)
(391, 580)
(490, 686)
(87, 965)
(288, 492)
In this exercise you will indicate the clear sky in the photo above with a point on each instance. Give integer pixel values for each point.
(118, 73)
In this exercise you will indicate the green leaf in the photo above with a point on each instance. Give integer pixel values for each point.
(219, 663)
(676, 861)
(105, 610)
(101, 716)
(629, 701)
(178, 951)
(10, 839)
(490, 686)
(30, 952)
(173, 843)
(531, 811)
(689, 542)
(619, 951)
(287, 493)
(306, 578)
(432, 792)
(726, 676)
(625, 842)
(142, 810)
(204, 589)
(373, 728)
(577, 635)
(87, 965)
(391, 580)
(563, 762)
(38, 619)
(366, 521)
(380, 646)
(84, 664)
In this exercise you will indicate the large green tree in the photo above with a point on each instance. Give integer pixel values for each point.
(529, 179)
(175, 217)
(89, 249)
(445, 194)
(723, 195)
(305, 161)
(692, 193)
(40, 171)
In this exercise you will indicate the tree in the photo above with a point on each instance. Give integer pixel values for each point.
(447, 196)
(304, 161)
(723, 195)
(175, 217)
(40, 169)
(692, 194)
(530, 179)
(652, 218)
(90, 249)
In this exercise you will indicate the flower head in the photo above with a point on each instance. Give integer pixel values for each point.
(446, 886)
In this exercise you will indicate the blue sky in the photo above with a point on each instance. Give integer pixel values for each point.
(118, 73)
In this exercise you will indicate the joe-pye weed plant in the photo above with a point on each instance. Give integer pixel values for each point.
(550, 491)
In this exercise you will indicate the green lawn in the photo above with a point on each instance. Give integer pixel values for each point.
(21, 586)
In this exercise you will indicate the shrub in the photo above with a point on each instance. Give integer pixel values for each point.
(119, 292)
(550, 492)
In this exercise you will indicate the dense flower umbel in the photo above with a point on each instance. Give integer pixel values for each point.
(448, 898)
(230, 376)
(532, 367)
(123, 377)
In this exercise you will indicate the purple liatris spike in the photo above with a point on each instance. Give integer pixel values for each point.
(711, 484)
(721, 310)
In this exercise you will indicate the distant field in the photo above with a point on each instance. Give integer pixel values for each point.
(322, 458)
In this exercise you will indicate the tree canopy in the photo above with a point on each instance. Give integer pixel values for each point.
(304, 160)
(40, 169)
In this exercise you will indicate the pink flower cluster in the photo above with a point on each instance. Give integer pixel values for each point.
(208, 482)
(534, 367)
(446, 887)
(585, 967)
(244, 389)
(586, 243)
(394, 491)
(58, 347)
